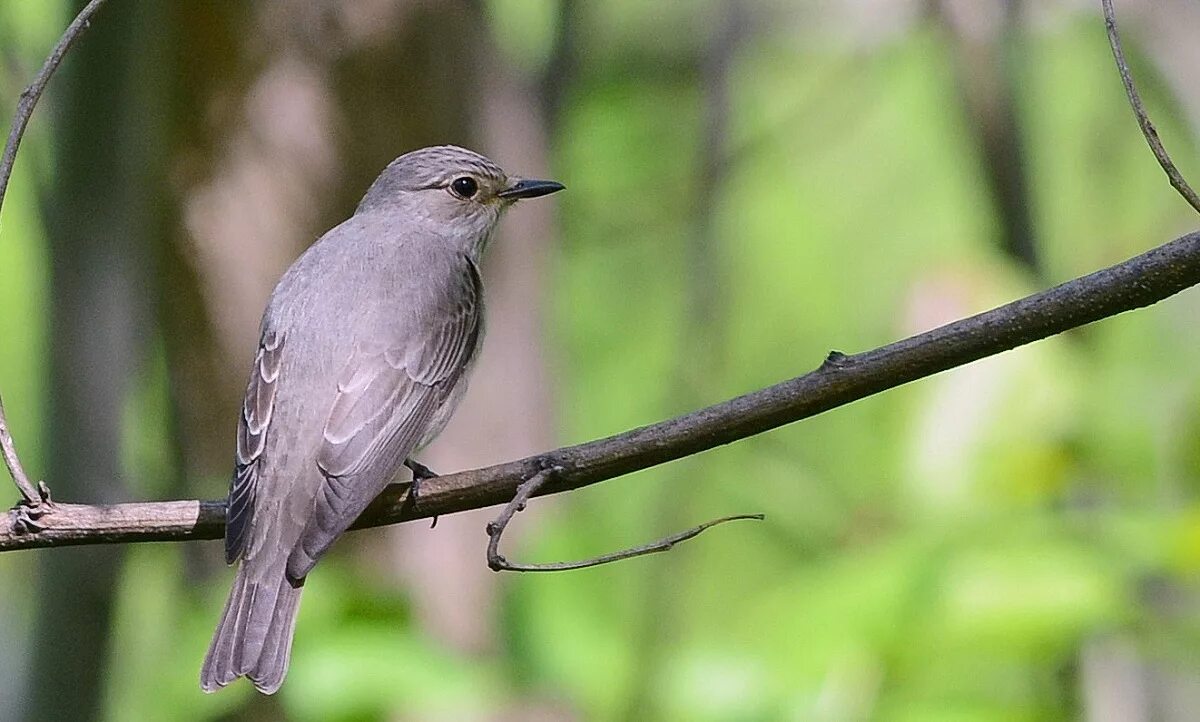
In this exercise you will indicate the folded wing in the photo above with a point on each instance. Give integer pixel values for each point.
(257, 409)
(388, 392)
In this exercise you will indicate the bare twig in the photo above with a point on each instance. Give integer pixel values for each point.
(1138, 282)
(33, 496)
(1139, 110)
(29, 494)
(495, 530)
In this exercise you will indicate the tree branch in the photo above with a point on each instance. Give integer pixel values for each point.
(1139, 110)
(33, 496)
(841, 379)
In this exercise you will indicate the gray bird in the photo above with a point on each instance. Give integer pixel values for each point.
(365, 348)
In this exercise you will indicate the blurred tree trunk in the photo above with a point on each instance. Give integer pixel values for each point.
(406, 63)
(408, 77)
(403, 65)
(985, 43)
(99, 215)
(212, 75)
(506, 413)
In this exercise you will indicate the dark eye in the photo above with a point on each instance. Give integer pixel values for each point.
(464, 187)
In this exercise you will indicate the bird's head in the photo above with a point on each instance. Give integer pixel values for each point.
(453, 189)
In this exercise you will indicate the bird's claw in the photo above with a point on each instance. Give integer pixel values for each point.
(420, 473)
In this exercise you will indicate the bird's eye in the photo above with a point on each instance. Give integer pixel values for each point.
(464, 187)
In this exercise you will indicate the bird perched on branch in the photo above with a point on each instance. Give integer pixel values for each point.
(364, 352)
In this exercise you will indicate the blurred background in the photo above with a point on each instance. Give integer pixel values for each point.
(751, 184)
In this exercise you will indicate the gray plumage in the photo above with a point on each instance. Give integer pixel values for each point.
(363, 355)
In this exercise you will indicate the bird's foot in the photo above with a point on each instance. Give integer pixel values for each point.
(420, 473)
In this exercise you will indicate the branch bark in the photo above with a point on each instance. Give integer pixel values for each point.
(840, 380)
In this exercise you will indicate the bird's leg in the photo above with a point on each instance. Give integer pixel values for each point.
(420, 473)
(419, 470)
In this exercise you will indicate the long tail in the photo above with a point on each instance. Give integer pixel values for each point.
(254, 637)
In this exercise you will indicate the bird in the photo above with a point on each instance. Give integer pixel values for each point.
(364, 352)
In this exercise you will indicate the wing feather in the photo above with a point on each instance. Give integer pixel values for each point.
(257, 409)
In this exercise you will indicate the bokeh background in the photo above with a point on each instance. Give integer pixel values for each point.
(751, 184)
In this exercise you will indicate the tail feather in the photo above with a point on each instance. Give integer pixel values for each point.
(254, 636)
(218, 663)
(268, 673)
(258, 611)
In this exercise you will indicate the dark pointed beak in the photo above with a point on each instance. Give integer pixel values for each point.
(524, 188)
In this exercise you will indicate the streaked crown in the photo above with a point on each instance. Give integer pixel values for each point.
(433, 167)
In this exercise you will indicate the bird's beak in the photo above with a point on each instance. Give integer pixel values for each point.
(525, 188)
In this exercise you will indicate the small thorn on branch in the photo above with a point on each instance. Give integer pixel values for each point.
(835, 360)
(495, 530)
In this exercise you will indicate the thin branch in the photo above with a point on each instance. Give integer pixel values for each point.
(842, 379)
(495, 530)
(33, 496)
(8, 449)
(1139, 110)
